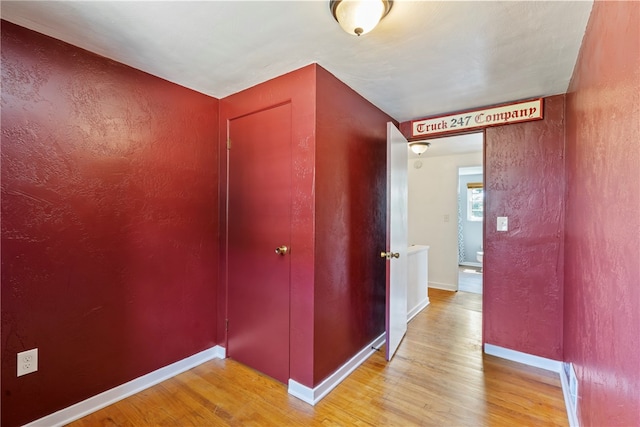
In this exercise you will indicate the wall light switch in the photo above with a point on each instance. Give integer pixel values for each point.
(503, 223)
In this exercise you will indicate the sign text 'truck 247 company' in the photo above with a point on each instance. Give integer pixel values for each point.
(523, 111)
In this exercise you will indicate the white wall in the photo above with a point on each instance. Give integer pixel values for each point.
(433, 213)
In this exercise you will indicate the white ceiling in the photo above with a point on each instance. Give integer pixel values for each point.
(424, 58)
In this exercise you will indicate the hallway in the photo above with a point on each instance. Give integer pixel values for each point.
(438, 377)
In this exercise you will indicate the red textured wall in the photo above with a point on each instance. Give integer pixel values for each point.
(339, 158)
(298, 88)
(350, 223)
(524, 181)
(602, 281)
(109, 223)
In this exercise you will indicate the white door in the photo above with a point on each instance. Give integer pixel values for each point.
(397, 242)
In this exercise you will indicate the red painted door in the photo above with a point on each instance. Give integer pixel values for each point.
(259, 222)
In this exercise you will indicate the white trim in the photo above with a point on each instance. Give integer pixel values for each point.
(568, 402)
(314, 395)
(525, 358)
(219, 352)
(417, 309)
(443, 286)
(470, 264)
(99, 401)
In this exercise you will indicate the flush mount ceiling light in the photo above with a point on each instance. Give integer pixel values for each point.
(359, 16)
(419, 147)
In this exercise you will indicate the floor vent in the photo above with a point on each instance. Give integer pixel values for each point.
(570, 392)
(573, 388)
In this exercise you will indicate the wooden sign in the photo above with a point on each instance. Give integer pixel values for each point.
(523, 111)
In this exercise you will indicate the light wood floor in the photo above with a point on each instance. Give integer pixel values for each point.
(439, 377)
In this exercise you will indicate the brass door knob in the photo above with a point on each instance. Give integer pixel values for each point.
(282, 250)
(389, 255)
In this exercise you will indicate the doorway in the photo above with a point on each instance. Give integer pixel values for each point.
(259, 234)
(433, 202)
(470, 228)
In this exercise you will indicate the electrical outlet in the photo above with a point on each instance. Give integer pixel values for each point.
(27, 362)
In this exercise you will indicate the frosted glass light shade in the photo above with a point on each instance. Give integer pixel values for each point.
(419, 147)
(358, 17)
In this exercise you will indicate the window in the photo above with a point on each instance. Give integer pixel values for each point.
(475, 201)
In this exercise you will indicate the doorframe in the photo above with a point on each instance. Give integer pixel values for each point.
(227, 146)
(472, 264)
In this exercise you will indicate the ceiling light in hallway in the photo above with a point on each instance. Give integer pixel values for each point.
(419, 147)
(359, 16)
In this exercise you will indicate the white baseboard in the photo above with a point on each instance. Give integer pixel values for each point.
(471, 264)
(99, 401)
(219, 352)
(314, 395)
(443, 286)
(417, 309)
(568, 403)
(524, 358)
